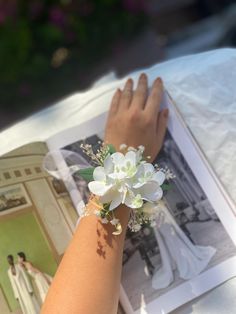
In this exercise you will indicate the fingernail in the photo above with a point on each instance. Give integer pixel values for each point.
(159, 80)
(143, 76)
(128, 83)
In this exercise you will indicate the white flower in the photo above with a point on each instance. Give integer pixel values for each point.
(115, 221)
(169, 174)
(147, 182)
(118, 229)
(125, 179)
(141, 148)
(136, 227)
(104, 220)
(134, 201)
(153, 223)
(146, 172)
(123, 146)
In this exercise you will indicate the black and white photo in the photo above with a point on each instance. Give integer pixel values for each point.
(181, 256)
(184, 242)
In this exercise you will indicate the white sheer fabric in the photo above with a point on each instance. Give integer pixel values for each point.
(177, 252)
(42, 282)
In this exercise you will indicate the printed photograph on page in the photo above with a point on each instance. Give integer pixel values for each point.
(37, 220)
(185, 240)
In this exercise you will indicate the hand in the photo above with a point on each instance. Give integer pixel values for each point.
(134, 118)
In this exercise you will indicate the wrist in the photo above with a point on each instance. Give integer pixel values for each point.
(122, 212)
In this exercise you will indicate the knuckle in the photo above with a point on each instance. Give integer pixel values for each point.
(134, 115)
(148, 120)
(154, 95)
(127, 93)
(154, 99)
(115, 98)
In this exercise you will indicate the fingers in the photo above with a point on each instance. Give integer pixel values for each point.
(162, 121)
(127, 95)
(154, 99)
(140, 94)
(115, 103)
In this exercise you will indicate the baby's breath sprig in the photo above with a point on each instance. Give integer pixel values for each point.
(88, 150)
(168, 173)
(101, 153)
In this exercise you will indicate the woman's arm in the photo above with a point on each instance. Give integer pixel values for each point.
(88, 278)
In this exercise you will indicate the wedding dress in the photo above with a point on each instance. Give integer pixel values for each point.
(22, 288)
(177, 252)
(41, 283)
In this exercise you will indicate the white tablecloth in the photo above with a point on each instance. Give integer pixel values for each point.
(204, 89)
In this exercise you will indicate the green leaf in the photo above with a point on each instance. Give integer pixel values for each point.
(87, 173)
(166, 187)
(112, 149)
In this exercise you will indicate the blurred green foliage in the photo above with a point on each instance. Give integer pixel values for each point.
(43, 42)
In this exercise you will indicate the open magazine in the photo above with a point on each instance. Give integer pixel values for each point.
(190, 250)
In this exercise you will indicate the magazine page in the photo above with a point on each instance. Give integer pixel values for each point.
(37, 220)
(192, 248)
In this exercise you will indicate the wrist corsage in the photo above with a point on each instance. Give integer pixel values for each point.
(124, 177)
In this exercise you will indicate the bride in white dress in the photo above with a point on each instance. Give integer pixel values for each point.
(22, 288)
(177, 252)
(42, 280)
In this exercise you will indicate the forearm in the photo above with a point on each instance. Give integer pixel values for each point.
(88, 277)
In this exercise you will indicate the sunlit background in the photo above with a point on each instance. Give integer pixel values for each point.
(52, 48)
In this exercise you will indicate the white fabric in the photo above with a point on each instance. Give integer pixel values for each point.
(203, 87)
(22, 289)
(41, 283)
(177, 252)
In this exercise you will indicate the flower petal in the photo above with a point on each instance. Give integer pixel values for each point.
(108, 196)
(108, 165)
(159, 177)
(148, 168)
(116, 201)
(138, 185)
(99, 174)
(151, 191)
(133, 201)
(118, 229)
(137, 180)
(140, 171)
(131, 156)
(129, 198)
(98, 188)
(117, 175)
(118, 158)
